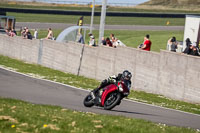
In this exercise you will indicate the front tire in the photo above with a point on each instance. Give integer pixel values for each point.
(112, 100)
(88, 101)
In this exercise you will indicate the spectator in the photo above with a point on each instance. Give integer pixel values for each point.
(7, 32)
(14, 31)
(103, 41)
(147, 43)
(81, 40)
(50, 34)
(194, 51)
(35, 34)
(118, 43)
(188, 49)
(23, 32)
(188, 46)
(173, 44)
(92, 40)
(27, 34)
(112, 36)
(188, 42)
(108, 42)
(12, 34)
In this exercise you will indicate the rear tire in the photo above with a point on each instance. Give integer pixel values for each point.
(88, 101)
(112, 100)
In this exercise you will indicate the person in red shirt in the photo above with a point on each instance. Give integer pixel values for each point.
(147, 43)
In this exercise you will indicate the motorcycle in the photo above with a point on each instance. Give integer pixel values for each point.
(110, 96)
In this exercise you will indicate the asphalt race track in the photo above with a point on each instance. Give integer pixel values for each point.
(19, 86)
(37, 25)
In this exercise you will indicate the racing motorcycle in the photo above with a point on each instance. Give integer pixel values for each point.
(110, 96)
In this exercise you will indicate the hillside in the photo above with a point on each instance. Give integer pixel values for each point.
(173, 4)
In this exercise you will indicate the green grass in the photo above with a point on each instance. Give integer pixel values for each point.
(86, 83)
(132, 38)
(19, 116)
(72, 19)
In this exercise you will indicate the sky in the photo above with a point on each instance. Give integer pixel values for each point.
(110, 2)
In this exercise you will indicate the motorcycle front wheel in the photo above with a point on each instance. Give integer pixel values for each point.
(88, 102)
(112, 100)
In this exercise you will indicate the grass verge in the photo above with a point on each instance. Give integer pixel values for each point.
(19, 116)
(86, 83)
(132, 38)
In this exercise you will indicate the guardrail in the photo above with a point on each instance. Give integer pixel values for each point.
(87, 13)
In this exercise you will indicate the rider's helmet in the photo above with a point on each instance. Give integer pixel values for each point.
(126, 75)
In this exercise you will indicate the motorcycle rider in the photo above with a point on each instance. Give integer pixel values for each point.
(126, 75)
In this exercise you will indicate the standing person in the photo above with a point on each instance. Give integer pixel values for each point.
(36, 34)
(173, 44)
(92, 40)
(50, 34)
(28, 34)
(147, 43)
(81, 39)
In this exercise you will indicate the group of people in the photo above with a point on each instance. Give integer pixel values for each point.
(11, 32)
(110, 42)
(26, 34)
(191, 48)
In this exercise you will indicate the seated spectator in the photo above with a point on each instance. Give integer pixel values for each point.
(7, 32)
(14, 31)
(12, 34)
(118, 43)
(103, 41)
(112, 36)
(92, 40)
(192, 50)
(147, 43)
(50, 34)
(108, 42)
(23, 32)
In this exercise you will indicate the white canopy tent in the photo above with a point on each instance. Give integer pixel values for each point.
(71, 33)
(192, 29)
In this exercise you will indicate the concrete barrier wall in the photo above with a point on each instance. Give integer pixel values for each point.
(61, 56)
(171, 74)
(19, 48)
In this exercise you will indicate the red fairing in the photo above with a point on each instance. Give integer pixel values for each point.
(108, 89)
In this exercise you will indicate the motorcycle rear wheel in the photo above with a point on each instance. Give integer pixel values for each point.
(88, 102)
(112, 100)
